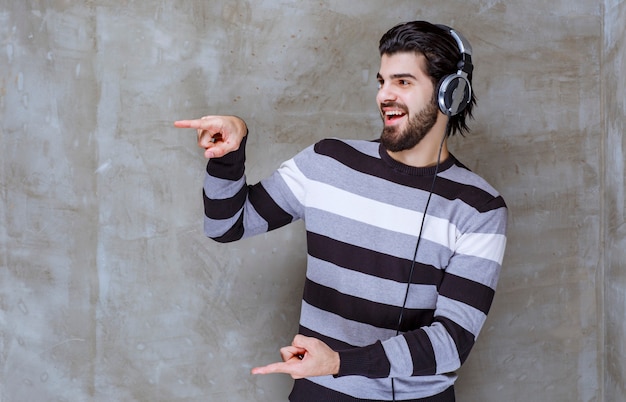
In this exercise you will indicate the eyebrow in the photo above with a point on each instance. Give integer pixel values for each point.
(396, 76)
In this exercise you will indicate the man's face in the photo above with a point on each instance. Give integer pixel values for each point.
(406, 100)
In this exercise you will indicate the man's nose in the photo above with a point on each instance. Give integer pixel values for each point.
(385, 94)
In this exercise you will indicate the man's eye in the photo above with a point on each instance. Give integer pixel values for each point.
(403, 82)
(380, 84)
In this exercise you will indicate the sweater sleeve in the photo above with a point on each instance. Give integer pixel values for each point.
(234, 210)
(464, 299)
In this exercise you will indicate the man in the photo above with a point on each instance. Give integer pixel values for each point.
(404, 243)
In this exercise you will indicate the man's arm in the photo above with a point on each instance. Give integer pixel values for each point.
(232, 208)
(466, 294)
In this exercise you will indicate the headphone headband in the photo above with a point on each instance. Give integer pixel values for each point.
(462, 43)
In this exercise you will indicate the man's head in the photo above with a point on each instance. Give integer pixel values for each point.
(436, 54)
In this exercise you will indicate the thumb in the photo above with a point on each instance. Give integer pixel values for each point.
(304, 342)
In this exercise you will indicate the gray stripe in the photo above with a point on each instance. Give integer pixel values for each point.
(464, 176)
(446, 354)
(337, 327)
(476, 269)
(253, 223)
(380, 388)
(362, 184)
(219, 189)
(464, 315)
(399, 355)
(367, 147)
(374, 238)
(370, 287)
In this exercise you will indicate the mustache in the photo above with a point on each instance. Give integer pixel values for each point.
(395, 105)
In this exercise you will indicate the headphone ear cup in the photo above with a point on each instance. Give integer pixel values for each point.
(455, 93)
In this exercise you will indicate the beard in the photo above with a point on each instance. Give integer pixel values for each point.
(395, 140)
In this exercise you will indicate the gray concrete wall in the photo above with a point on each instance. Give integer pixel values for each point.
(614, 97)
(110, 292)
(539, 139)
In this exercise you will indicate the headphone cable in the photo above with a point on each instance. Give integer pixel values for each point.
(419, 238)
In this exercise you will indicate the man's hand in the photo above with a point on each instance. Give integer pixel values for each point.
(306, 357)
(218, 135)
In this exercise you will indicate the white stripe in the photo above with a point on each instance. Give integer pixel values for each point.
(483, 245)
(344, 203)
(385, 216)
(295, 180)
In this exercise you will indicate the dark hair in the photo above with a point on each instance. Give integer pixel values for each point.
(442, 55)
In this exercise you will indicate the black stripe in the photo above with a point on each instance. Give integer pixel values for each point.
(370, 262)
(372, 166)
(224, 208)
(258, 197)
(230, 166)
(463, 339)
(422, 353)
(363, 311)
(494, 204)
(467, 291)
(234, 233)
(307, 391)
(475, 197)
(377, 167)
(265, 205)
(332, 342)
(413, 319)
(370, 361)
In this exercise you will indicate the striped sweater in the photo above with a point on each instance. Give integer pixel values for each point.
(362, 212)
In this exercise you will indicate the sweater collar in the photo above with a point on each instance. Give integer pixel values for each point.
(412, 170)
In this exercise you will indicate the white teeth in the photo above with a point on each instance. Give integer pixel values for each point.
(393, 113)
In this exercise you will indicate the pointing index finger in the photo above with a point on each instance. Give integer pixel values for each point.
(187, 124)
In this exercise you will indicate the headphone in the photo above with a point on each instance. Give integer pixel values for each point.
(455, 90)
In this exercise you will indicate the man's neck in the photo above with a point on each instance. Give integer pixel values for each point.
(420, 159)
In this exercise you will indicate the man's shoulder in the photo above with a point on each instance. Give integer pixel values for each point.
(329, 146)
(464, 175)
(472, 187)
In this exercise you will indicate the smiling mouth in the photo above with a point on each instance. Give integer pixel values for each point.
(392, 116)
